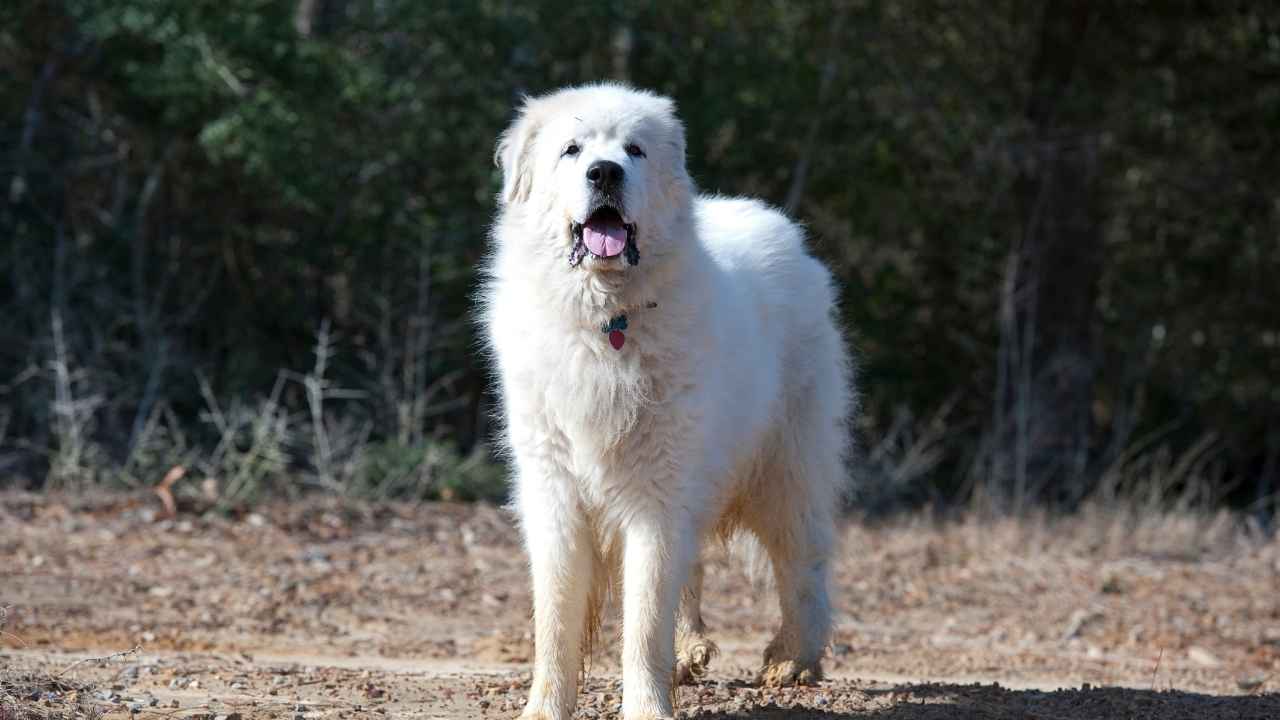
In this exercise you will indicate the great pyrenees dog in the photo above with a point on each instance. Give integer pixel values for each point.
(671, 371)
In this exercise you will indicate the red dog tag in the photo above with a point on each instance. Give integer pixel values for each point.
(616, 339)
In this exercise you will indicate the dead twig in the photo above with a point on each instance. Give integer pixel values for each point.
(132, 651)
(164, 490)
(4, 620)
(1156, 669)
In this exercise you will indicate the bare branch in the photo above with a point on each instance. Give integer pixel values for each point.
(131, 651)
(800, 175)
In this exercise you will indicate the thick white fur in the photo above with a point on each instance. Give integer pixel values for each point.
(725, 410)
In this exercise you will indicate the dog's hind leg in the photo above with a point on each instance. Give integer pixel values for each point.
(795, 521)
(800, 549)
(694, 651)
(801, 560)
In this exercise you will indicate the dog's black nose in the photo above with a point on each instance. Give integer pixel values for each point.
(605, 175)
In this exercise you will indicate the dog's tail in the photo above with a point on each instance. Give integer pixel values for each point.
(745, 548)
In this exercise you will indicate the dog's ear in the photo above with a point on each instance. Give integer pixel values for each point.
(674, 128)
(514, 156)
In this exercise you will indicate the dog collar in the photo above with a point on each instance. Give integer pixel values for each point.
(616, 328)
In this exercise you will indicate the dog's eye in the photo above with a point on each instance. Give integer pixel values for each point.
(634, 150)
(572, 150)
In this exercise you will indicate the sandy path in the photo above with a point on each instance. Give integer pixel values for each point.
(324, 609)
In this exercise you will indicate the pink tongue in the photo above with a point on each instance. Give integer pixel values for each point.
(604, 238)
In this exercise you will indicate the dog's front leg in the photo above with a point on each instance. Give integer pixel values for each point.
(655, 563)
(560, 557)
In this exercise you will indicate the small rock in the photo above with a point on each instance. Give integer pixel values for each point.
(1078, 620)
(1202, 657)
(1112, 585)
(1250, 684)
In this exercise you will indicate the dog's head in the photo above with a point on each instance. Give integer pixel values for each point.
(604, 164)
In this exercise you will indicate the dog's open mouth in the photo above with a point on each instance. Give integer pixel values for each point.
(604, 235)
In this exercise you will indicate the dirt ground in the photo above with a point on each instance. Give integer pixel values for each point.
(328, 609)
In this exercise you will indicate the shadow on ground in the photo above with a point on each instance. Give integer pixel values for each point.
(957, 702)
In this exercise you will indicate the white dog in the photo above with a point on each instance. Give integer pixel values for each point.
(671, 370)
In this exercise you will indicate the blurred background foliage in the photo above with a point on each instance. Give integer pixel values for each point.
(241, 236)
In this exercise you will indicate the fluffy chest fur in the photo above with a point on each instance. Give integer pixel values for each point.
(570, 392)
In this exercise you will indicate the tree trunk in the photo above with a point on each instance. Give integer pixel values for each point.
(1045, 392)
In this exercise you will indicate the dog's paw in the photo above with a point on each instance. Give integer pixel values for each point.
(789, 672)
(542, 713)
(693, 655)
